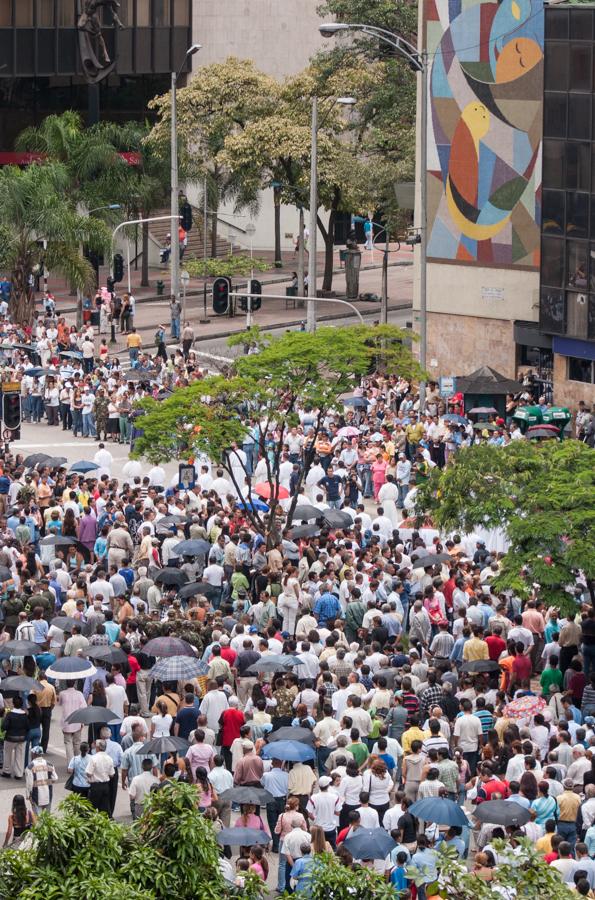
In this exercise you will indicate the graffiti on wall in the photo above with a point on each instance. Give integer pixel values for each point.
(485, 125)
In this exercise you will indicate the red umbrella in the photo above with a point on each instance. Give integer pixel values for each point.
(263, 489)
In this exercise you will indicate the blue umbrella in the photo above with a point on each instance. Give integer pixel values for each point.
(34, 371)
(83, 466)
(70, 668)
(253, 504)
(439, 811)
(355, 402)
(456, 419)
(369, 843)
(289, 751)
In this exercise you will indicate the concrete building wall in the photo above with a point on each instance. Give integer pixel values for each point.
(457, 345)
(569, 393)
(280, 36)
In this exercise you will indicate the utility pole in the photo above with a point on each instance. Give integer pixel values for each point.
(311, 310)
(175, 205)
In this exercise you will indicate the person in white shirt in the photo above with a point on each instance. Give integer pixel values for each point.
(117, 699)
(140, 787)
(104, 460)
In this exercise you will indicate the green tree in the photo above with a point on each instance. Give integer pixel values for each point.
(171, 851)
(296, 370)
(218, 102)
(541, 494)
(331, 880)
(35, 207)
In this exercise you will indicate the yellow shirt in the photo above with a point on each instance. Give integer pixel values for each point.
(544, 844)
(134, 340)
(475, 648)
(412, 734)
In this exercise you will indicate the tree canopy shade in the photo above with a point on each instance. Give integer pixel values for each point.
(35, 206)
(266, 390)
(541, 494)
(171, 851)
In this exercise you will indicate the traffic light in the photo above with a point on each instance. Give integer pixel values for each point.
(256, 288)
(186, 216)
(221, 298)
(11, 414)
(110, 284)
(118, 267)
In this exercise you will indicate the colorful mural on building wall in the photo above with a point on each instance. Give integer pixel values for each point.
(485, 126)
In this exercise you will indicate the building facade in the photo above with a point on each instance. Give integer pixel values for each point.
(510, 179)
(567, 296)
(41, 70)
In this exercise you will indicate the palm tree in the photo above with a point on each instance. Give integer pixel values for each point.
(40, 225)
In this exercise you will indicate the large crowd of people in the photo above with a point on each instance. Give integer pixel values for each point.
(384, 653)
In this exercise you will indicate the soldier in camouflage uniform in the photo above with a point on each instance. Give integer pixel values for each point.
(101, 411)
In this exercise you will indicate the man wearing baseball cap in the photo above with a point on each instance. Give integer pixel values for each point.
(322, 809)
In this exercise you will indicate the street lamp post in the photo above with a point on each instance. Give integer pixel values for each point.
(418, 60)
(311, 310)
(175, 204)
(250, 231)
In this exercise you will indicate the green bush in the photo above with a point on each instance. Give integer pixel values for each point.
(225, 266)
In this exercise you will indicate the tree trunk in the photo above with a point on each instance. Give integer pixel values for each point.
(277, 202)
(21, 298)
(329, 251)
(144, 276)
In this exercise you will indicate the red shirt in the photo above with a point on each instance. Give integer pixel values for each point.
(232, 720)
(521, 667)
(495, 646)
(134, 668)
(229, 655)
(448, 590)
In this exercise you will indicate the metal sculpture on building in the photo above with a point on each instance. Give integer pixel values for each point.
(95, 58)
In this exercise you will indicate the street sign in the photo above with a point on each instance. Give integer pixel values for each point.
(186, 477)
(448, 386)
(10, 386)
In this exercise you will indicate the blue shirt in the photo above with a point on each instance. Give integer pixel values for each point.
(79, 764)
(425, 861)
(112, 629)
(301, 871)
(40, 631)
(276, 781)
(327, 607)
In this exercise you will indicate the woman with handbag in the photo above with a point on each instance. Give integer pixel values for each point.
(77, 767)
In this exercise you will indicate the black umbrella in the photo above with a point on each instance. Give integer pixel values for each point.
(22, 648)
(192, 548)
(113, 655)
(305, 531)
(168, 744)
(54, 462)
(432, 559)
(242, 837)
(197, 587)
(272, 663)
(337, 519)
(502, 812)
(305, 511)
(20, 683)
(240, 794)
(60, 540)
(480, 665)
(174, 519)
(292, 733)
(485, 426)
(370, 843)
(65, 622)
(168, 646)
(92, 715)
(34, 459)
(169, 576)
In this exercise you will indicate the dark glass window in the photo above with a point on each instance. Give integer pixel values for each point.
(556, 66)
(592, 268)
(23, 13)
(66, 14)
(577, 215)
(591, 319)
(578, 165)
(552, 221)
(579, 116)
(554, 115)
(552, 311)
(143, 13)
(581, 25)
(580, 67)
(576, 264)
(5, 13)
(181, 12)
(161, 13)
(553, 163)
(45, 13)
(552, 261)
(556, 23)
(580, 370)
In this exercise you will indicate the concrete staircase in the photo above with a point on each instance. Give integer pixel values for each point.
(195, 248)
